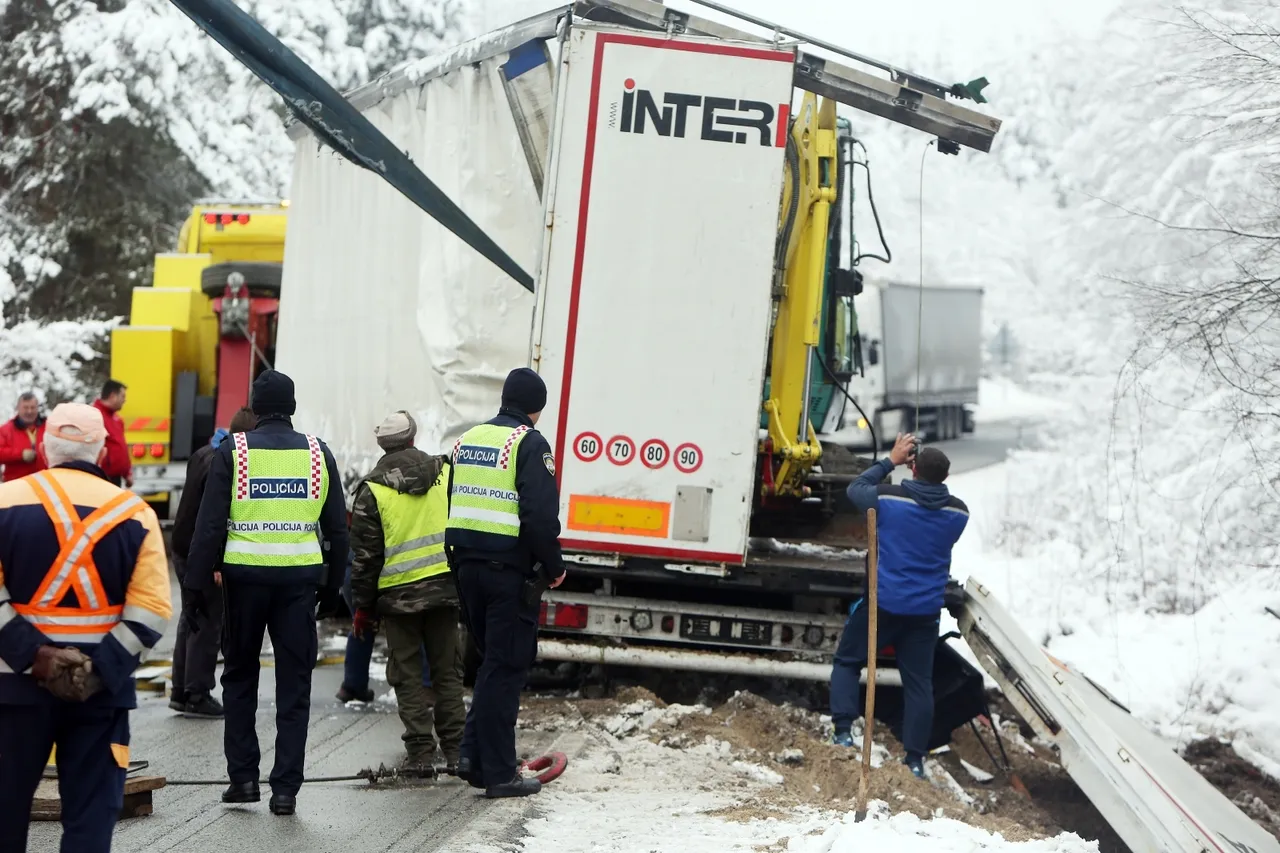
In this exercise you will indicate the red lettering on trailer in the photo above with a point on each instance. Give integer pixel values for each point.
(784, 124)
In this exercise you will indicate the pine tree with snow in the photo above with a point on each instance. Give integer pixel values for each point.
(116, 115)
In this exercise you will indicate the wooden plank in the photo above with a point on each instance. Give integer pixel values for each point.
(47, 805)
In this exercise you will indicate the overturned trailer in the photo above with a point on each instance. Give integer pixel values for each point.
(654, 326)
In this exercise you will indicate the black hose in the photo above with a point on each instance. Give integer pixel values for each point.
(875, 212)
(871, 427)
(784, 236)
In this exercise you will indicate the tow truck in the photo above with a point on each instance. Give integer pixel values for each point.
(197, 336)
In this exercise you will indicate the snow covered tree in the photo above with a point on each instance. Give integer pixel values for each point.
(116, 114)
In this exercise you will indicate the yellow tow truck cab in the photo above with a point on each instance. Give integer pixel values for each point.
(197, 336)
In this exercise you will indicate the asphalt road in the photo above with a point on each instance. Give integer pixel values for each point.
(332, 817)
(989, 444)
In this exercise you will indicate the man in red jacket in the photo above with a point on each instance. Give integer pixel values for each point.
(116, 465)
(20, 440)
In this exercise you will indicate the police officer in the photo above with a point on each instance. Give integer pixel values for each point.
(503, 540)
(273, 505)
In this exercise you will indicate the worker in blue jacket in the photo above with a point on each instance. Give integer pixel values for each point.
(918, 521)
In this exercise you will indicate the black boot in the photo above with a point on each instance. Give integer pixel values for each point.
(467, 772)
(241, 792)
(204, 707)
(345, 695)
(517, 787)
(283, 804)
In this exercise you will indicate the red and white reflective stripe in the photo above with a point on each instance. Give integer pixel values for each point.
(240, 454)
(317, 467)
(504, 457)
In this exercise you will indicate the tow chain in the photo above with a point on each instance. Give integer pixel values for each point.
(549, 767)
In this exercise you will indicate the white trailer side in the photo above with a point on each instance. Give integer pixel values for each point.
(427, 324)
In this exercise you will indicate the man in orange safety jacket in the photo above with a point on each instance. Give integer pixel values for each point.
(84, 590)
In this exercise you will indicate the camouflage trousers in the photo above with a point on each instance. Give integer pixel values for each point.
(436, 630)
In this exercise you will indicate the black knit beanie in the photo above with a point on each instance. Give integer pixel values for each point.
(524, 391)
(273, 394)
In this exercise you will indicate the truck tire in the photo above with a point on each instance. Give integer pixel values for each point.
(262, 278)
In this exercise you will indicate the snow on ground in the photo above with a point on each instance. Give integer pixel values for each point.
(1188, 675)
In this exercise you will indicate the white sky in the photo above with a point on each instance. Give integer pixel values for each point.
(948, 38)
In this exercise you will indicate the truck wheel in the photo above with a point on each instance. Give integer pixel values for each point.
(262, 278)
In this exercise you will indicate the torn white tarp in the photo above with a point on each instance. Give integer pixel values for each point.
(384, 309)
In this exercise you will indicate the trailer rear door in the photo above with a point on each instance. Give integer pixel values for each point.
(654, 295)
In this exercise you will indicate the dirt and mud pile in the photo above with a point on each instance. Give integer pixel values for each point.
(786, 750)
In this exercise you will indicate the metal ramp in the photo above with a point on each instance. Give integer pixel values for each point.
(1154, 800)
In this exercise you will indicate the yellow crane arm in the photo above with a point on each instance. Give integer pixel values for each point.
(797, 324)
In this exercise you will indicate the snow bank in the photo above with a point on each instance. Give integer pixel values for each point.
(1188, 673)
(1000, 399)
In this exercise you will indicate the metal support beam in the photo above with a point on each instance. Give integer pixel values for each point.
(698, 661)
(918, 108)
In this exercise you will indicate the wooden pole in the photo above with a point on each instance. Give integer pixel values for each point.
(873, 607)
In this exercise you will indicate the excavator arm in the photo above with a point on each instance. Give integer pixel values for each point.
(809, 191)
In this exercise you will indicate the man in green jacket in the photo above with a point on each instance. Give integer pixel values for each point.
(400, 579)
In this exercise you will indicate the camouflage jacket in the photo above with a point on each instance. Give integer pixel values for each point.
(408, 471)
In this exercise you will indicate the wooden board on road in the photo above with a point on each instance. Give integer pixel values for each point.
(47, 805)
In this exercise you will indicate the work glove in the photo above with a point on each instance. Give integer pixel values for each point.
(327, 603)
(66, 673)
(364, 623)
(28, 455)
(196, 607)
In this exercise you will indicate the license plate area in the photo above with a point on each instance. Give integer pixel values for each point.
(747, 632)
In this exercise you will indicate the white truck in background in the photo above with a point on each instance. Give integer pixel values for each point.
(931, 358)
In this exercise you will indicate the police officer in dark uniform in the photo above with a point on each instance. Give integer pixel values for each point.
(273, 505)
(503, 541)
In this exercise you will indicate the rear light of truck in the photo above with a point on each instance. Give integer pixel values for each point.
(139, 451)
(157, 450)
(226, 218)
(562, 615)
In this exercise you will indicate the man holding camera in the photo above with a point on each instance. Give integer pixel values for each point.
(917, 521)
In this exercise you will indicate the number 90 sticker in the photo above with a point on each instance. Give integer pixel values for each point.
(654, 453)
(688, 458)
(588, 447)
(621, 450)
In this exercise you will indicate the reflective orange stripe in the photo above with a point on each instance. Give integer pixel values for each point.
(139, 423)
(74, 564)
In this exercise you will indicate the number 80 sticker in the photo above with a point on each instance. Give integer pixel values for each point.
(654, 453)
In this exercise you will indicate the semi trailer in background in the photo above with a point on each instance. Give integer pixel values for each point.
(920, 351)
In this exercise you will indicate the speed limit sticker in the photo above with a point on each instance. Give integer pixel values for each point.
(588, 447)
(654, 453)
(688, 458)
(621, 450)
